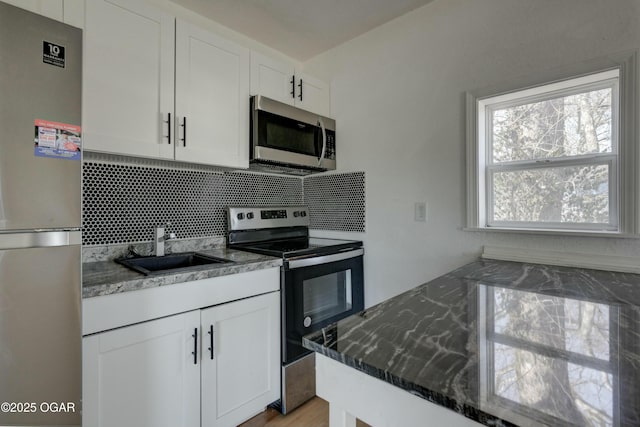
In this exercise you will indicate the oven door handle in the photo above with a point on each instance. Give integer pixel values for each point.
(311, 261)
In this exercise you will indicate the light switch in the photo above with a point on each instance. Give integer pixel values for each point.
(420, 211)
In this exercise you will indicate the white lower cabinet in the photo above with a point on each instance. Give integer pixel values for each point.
(217, 366)
(241, 371)
(143, 375)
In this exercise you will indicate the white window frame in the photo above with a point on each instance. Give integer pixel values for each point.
(619, 73)
(602, 80)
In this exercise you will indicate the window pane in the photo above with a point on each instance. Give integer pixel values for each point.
(560, 127)
(566, 324)
(578, 194)
(554, 386)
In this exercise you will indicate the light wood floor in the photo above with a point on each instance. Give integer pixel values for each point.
(314, 413)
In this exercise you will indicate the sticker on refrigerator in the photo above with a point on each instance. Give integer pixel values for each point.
(53, 54)
(57, 140)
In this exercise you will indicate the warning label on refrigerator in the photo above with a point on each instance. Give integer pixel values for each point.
(58, 140)
(53, 54)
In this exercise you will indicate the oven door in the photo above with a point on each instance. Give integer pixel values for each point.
(319, 291)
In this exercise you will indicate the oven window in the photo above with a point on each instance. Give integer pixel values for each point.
(327, 296)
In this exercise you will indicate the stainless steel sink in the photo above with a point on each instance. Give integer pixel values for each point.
(170, 263)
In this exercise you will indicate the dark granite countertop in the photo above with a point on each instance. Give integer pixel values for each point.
(506, 342)
(106, 277)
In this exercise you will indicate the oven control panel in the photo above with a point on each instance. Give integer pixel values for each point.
(273, 214)
(252, 218)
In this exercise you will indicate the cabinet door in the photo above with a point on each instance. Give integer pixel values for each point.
(315, 94)
(243, 376)
(143, 375)
(212, 96)
(50, 8)
(128, 78)
(272, 78)
(73, 13)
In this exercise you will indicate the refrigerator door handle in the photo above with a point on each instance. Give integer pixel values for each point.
(39, 239)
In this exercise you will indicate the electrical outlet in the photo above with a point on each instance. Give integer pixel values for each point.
(420, 211)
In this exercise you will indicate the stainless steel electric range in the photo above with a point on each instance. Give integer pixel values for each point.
(321, 282)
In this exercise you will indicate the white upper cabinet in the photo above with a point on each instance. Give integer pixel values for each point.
(272, 78)
(67, 11)
(73, 13)
(128, 78)
(312, 94)
(280, 80)
(50, 8)
(212, 98)
(133, 105)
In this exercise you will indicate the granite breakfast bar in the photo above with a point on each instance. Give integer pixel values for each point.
(494, 343)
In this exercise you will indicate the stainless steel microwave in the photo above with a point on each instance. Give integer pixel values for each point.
(282, 134)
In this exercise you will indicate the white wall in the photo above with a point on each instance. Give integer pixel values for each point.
(398, 98)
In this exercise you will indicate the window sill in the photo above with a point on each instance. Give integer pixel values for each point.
(550, 232)
(596, 261)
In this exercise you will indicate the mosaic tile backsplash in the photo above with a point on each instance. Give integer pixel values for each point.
(123, 203)
(336, 201)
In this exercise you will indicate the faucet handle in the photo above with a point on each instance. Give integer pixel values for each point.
(131, 252)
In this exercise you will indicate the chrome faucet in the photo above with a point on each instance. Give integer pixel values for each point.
(158, 242)
(159, 238)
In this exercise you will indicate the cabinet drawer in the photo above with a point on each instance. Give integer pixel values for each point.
(116, 310)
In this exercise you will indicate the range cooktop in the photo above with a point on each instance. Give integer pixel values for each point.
(279, 231)
(300, 247)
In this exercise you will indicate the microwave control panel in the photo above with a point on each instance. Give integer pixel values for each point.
(330, 152)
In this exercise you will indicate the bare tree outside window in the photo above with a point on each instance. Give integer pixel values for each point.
(568, 126)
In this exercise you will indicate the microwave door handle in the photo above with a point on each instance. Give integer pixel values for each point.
(324, 140)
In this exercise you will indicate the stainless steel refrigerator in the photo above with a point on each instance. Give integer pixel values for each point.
(40, 218)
